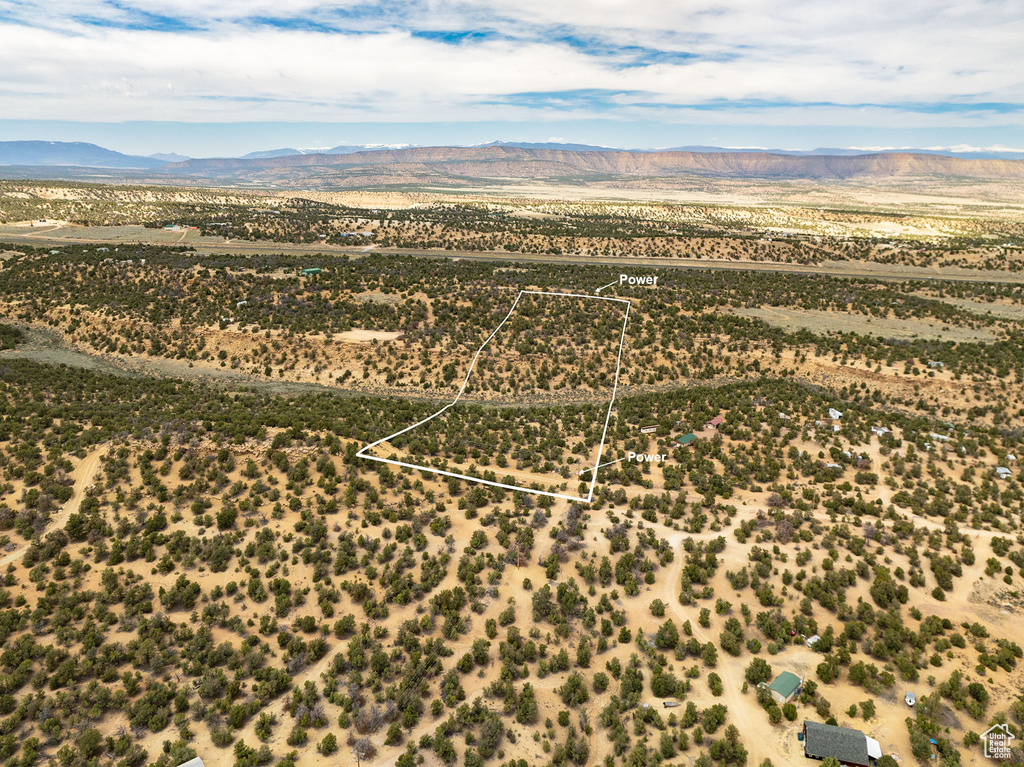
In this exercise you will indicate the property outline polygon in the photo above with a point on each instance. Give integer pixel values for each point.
(593, 481)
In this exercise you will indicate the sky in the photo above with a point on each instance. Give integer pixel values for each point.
(225, 77)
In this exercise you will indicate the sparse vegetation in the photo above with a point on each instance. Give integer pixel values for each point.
(192, 565)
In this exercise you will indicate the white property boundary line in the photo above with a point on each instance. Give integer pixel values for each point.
(618, 365)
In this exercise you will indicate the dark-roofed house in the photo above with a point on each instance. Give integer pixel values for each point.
(849, 746)
(785, 687)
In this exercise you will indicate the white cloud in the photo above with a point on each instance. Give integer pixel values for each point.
(752, 55)
(971, 148)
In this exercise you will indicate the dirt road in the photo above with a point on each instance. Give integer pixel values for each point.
(84, 474)
(847, 269)
(744, 711)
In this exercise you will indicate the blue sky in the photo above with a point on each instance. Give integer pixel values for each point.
(225, 77)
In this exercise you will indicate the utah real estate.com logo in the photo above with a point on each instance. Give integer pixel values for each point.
(997, 741)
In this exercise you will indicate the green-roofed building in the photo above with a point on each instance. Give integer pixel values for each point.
(310, 271)
(686, 439)
(785, 687)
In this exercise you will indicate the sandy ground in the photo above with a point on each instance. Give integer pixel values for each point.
(760, 738)
(365, 336)
(848, 322)
(988, 198)
(84, 474)
(387, 450)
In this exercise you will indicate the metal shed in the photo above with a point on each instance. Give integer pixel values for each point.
(785, 686)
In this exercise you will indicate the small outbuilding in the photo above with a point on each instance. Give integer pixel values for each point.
(649, 429)
(1003, 472)
(785, 687)
(686, 439)
(910, 699)
(197, 762)
(715, 422)
(834, 414)
(874, 749)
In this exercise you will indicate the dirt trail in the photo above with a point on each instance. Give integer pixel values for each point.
(932, 523)
(315, 673)
(83, 475)
(761, 739)
(871, 270)
(386, 755)
(743, 709)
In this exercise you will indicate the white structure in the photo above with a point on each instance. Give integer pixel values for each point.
(811, 641)
(1003, 472)
(881, 430)
(874, 749)
(197, 762)
(834, 414)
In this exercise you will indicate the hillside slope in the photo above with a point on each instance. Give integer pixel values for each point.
(70, 153)
(505, 162)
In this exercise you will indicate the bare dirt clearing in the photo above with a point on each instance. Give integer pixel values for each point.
(112, 234)
(997, 310)
(844, 322)
(365, 336)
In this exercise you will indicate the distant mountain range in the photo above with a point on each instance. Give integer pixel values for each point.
(80, 153)
(965, 154)
(75, 153)
(350, 166)
(169, 157)
(343, 149)
(505, 163)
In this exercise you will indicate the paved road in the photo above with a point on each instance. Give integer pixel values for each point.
(846, 269)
